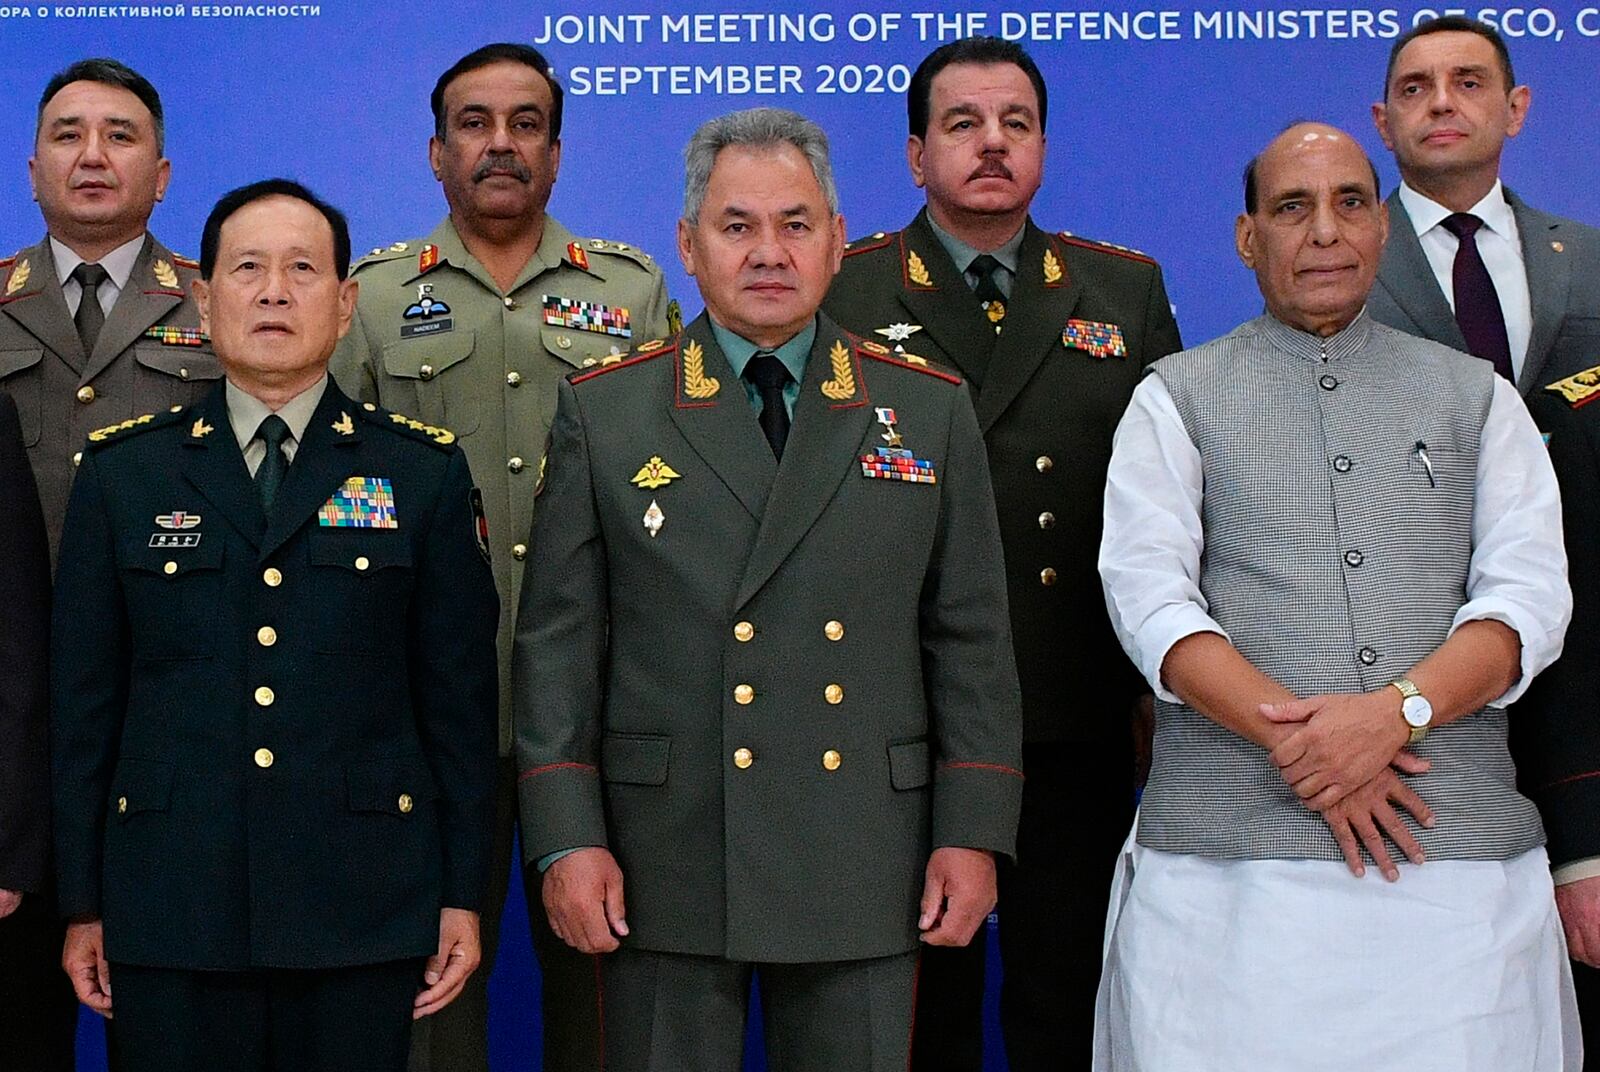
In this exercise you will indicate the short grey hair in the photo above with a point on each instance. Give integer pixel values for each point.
(755, 128)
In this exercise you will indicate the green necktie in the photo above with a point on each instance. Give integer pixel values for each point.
(269, 477)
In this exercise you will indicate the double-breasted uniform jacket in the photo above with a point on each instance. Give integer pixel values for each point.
(769, 689)
(150, 355)
(1083, 320)
(281, 752)
(434, 336)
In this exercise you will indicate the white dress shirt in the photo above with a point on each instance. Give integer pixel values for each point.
(1500, 246)
(1150, 552)
(246, 412)
(118, 265)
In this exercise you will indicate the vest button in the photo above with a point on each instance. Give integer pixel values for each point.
(1354, 558)
(1341, 464)
(1328, 382)
(1367, 656)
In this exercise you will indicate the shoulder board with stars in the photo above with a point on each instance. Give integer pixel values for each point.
(123, 429)
(591, 246)
(381, 254)
(652, 349)
(876, 240)
(407, 426)
(879, 352)
(1579, 389)
(1105, 247)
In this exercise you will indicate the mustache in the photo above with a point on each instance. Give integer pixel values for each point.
(991, 169)
(502, 162)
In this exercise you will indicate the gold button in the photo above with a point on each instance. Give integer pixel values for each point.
(264, 758)
(405, 803)
(273, 577)
(831, 760)
(1047, 576)
(265, 696)
(77, 458)
(834, 630)
(564, 341)
(1043, 463)
(183, 373)
(122, 805)
(170, 568)
(519, 551)
(86, 395)
(513, 379)
(1047, 520)
(744, 694)
(743, 632)
(426, 372)
(743, 758)
(833, 694)
(266, 636)
(515, 465)
(510, 303)
(362, 562)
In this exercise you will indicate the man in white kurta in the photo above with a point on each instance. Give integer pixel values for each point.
(1335, 552)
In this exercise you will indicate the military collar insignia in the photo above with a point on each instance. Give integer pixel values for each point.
(577, 256)
(1094, 338)
(426, 306)
(654, 474)
(170, 335)
(178, 519)
(696, 384)
(842, 387)
(362, 502)
(587, 316)
(1579, 389)
(200, 429)
(916, 271)
(164, 273)
(1052, 268)
(898, 332)
(19, 277)
(344, 425)
(674, 317)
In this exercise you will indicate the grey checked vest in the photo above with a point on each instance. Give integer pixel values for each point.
(1335, 559)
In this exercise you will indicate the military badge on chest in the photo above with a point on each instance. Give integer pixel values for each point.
(578, 315)
(654, 474)
(1094, 338)
(362, 502)
(894, 460)
(176, 530)
(426, 316)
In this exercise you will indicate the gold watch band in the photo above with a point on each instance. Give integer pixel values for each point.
(1407, 689)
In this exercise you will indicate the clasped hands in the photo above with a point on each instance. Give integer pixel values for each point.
(1343, 758)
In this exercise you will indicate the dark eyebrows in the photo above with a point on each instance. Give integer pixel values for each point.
(484, 109)
(958, 109)
(739, 212)
(77, 121)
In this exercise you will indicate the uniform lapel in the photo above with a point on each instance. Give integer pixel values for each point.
(1549, 279)
(41, 308)
(718, 422)
(830, 422)
(1041, 308)
(214, 465)
(145, 300)
(945, 306)
(1405, 273)
(323, 461)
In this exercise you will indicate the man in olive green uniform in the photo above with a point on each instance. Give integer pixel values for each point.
(1051, 333)
(470, 329)
(763, 672)
(97, 172)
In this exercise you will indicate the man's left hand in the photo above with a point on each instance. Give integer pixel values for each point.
(447, 970)
(1346, 739)
(1579, 905)
(957, 896)
(10, 901)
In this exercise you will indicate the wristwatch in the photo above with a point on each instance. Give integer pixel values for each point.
(1415, 709)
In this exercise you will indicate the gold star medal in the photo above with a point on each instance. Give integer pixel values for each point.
(654, 474)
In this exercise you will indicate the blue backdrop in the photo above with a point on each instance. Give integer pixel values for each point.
(1153, 114)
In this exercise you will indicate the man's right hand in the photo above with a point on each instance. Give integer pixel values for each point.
(1367, 816)
(583, 897)
(84, 959)
(10, 901)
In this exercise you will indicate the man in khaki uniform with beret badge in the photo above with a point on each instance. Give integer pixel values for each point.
(97, 172)
(471, 329)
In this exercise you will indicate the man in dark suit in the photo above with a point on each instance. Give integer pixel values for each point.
(764, 675)
(37, 1013)
(273, 783)
(97, 171)
(1471, 265)
(1051, 333)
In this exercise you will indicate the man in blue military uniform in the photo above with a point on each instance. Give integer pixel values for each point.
(273, 781)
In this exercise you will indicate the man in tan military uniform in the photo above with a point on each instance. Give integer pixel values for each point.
(97, 172)
(471, 329)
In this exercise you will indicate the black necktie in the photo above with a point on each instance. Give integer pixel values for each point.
(976, 362)
(89, 318)
(770, 377)
(1478, 312)
(272, 431)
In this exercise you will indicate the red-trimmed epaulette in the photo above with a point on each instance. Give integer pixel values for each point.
(866, 245)
(652, 349)
(7, 262)
(185, 262)
(1106, 247)
(880, 352)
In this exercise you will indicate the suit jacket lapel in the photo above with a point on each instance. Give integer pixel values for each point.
(1549, 279)
(1405, 273)
(1043, 308)
(719, 424)
(830, 422)
(213, 464)
(41, 308)
(945, 306)
(142, 302)
(322, 462)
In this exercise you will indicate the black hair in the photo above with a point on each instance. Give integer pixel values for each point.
(107, 72)
(982, 51)
(1451, 24)
(500, 52)
(234, 200)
